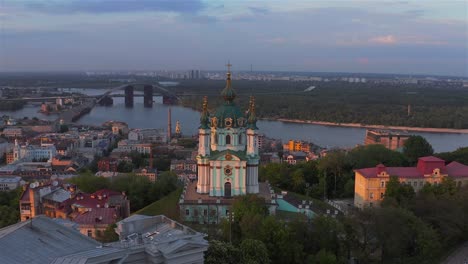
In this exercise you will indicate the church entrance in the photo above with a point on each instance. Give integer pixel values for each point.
(227, 189)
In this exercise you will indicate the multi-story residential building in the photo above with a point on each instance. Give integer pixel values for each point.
(5, 146)
(31, 152)
(9, 183)
(9, 157)
(391, 140)
(370, 183)
(119, 128)
(108, 164)
(129, 146)
(151, 174)
(68, 203)
(185, 169)
(295, 157)
(296, 146)
(13, 132)
(148, 135)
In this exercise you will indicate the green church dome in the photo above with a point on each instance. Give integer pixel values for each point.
(230, 115)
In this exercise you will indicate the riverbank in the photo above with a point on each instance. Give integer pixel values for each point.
(357, 125)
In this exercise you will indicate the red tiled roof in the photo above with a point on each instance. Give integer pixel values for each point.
(105, 216)
(85, 200)
(456, 169)
(431, 159)
(92, 200)
(426, 166)
(106, 192)
(406, 172)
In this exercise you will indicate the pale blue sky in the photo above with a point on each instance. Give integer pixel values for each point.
(328, 36)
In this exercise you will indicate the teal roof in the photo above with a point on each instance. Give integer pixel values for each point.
(229, 110)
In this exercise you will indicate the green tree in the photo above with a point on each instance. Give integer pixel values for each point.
(403, 238)
(125, 167)
(254, 252)
(396, 192)
(222, 252)
(325, 257)
(416, 147)
(89, 183)
(109, 234)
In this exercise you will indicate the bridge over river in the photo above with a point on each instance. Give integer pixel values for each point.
(73, 114)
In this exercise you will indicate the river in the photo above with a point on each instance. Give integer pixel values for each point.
(156, 117)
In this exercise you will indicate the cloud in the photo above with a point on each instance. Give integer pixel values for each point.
(108, 6)
(259, 10)
(415, 12)
(384, 40)
(277, 40)
(362, 61)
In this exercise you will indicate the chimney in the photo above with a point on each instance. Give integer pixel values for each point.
(169, 126)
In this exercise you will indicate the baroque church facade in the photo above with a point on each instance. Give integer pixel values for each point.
(227, 162)
(228, 157)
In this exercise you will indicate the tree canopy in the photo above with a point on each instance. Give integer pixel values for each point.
(416, 147)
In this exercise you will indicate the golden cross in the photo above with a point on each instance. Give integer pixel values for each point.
(229, 66)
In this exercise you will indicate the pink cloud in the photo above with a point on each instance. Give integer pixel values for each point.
(362, 61)
(385, 40)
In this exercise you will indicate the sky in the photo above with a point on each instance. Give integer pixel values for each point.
(408, 37)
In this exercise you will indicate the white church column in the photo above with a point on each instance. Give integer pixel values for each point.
(237, 187)
(218, 181)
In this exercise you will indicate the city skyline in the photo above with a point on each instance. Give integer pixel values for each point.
(404, 37)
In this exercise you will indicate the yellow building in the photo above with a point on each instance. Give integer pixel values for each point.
(296, 145)
(370, 183)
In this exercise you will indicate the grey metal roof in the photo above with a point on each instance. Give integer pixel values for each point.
(41, 241)
(58, 195)
(85, 256)
(10, 179)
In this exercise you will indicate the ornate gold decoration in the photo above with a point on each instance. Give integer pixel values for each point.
(228, 170)
(228, 156)
(228, 122)
(214, 121)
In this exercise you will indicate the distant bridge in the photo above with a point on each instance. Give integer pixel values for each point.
(163, 91)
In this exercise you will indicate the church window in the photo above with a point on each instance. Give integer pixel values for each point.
(228, 171)
(240, 139)
(205, 212)
(187, 212)
(228, 122)
(228, 139)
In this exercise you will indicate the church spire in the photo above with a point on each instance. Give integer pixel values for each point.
(252, 119)
(205, 116)
(228, 93)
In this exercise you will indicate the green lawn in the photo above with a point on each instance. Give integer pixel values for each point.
(167, 206)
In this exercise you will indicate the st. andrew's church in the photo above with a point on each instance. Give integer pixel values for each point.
(228, 149)
(227, 161)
